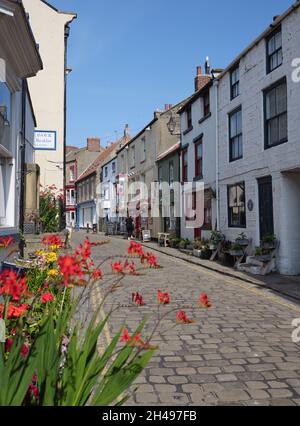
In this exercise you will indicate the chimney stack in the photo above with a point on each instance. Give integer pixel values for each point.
(93, 144)
(207, 66)
(200, 79)
(126, 131)
(168, 107)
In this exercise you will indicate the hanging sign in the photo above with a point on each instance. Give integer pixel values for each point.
(45, 140)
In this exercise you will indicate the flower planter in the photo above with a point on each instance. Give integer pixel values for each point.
(236, 253)
(269, 246)
(243, 243)
(197, 253)
(213, 246)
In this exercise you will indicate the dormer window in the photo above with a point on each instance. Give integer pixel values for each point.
(206, 104)
(235, 83)
(189, 121)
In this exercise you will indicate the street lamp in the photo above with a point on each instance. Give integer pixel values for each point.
(172, 126)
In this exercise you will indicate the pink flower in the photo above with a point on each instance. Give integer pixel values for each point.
(138, 299)
(204, 302)
(163, 298)
(182, 318)
(125, 338)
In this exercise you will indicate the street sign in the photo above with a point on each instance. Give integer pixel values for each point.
(45, 140)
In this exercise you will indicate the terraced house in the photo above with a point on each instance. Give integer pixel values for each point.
(259, 141)
(19, 60)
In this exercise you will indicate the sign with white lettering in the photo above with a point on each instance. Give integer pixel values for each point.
(45, 140)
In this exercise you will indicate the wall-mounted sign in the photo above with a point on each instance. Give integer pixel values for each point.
(45, 140)
(146, 236)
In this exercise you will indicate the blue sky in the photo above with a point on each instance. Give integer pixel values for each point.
(130, 57)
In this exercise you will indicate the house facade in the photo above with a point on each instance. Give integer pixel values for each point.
(19, 60)
(88, 187)
(259, 141)
(137, 169)
(108, 204)
(77, 160)
(198, 157)
(51, 28)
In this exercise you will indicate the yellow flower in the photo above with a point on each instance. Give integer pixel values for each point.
(51, 257)
(54, 248)
(40, 253)
(52, 273)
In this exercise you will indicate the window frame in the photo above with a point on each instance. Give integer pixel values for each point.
(189, 118)
(267, 120)
(198, 167)
(184, 154)
(206, 105)
(268, 55)
(235, 111)
(236, 84)
(230, 224)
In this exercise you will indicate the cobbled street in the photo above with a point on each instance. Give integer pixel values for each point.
(240, 352)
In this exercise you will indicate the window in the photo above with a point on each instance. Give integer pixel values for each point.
(3, 192)
(106, 171)
(5, 115)
(206, 104)
(113, 167)
(171, 172)
(132, 157)
(189, 121)
(235, 83)
(236, 135)
(184, 166)
(143, 149)
(236, 206)
(274, 50)
(276, 128)
(199, 159)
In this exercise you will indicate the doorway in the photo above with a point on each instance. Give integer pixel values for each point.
(266, 216)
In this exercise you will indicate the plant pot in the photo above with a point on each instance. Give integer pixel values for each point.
(243, 243)
(236, 253)
(213, 246)
(197, 253)
(269, 246)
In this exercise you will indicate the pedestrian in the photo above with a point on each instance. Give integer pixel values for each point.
(129, 227)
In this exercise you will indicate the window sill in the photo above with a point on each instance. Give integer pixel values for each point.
(276, 144)
(269, 71)
(232, 160)
(204, 118)
(188, 130)
(237, 226)
(197, 178)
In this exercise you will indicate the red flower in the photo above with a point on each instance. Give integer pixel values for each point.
(5, 241)
(70, 268)
(152, 260)
(47, 297)
(138, 299)
(204, 302)
(125, 338)
(84, 250)
(182, 318)
(12, 286)
(52, 240)
(163, 298)
(13, 311)
(135, 249)
(8, 345)
(97, 274)
(117, 267)
(131, 269)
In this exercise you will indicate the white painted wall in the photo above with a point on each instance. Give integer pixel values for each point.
(258, 162)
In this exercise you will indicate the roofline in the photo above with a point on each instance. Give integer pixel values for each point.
(195, 96)
(56, 10)
(262, 36)
(109, 161)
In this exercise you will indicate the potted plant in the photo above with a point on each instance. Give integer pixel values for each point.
(197, 248)
(183, 244)
(269, 242)
(258, 252)
(242, 240)
(174, 242)
(236, 250)
(205, 252)
(215, 238)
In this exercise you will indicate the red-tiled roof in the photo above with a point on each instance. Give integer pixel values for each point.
(100, 160)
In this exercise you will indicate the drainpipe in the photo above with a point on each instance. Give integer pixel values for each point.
(22, 170)
(63, 219)
(216, 85)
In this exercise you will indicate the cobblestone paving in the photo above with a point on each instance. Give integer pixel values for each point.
(238, 353)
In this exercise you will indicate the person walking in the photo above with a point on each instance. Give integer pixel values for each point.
(129, 227)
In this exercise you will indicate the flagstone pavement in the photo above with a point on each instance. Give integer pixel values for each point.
(240, 352)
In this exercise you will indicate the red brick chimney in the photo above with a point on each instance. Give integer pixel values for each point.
(200, 79)
(93, 144)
